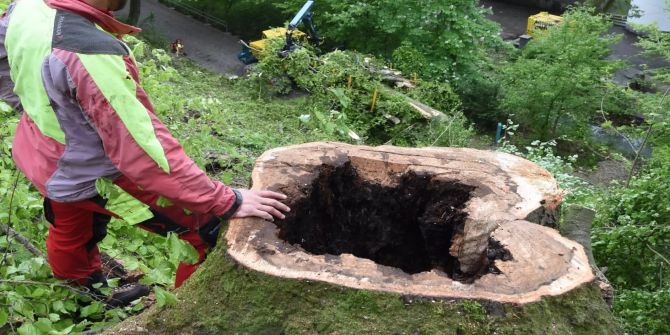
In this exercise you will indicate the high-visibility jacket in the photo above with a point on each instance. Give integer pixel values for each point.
(85, 116)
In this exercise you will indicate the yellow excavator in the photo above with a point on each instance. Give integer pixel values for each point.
(255, 50)
(537, 26)
(540, 22)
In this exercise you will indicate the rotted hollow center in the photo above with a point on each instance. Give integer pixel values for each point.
(409, 226)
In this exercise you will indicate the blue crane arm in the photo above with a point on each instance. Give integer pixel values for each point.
(304, 11)
(305, 14)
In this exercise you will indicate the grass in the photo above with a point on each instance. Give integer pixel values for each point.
(225, 124)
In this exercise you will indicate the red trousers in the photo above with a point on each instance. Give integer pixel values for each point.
(77, 227)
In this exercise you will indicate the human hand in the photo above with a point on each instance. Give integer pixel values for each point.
(262, 204)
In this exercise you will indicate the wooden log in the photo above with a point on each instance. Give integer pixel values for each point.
(424, 110)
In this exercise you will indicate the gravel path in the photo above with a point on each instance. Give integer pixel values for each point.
(207, 46)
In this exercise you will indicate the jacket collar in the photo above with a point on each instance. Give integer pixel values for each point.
(104, 19)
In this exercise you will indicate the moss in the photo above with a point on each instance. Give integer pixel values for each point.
(224, 298)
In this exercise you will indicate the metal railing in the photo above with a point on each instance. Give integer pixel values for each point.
(619, 20)
(196, 13)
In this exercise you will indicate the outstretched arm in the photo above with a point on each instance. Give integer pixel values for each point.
(143, 149)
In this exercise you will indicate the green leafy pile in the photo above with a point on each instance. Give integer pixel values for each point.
(437, 39)
(348, 99)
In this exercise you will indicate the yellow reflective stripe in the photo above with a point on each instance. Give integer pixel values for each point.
(110, 75)
(28, 43)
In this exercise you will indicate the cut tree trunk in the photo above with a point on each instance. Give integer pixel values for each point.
(392, 240)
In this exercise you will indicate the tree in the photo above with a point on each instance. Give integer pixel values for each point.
(452, 36)
(556, 85)
(134, 14)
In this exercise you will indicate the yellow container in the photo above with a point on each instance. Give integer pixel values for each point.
(540, 22)
(258, 47)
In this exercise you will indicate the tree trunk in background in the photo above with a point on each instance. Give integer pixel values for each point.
(577, 227)
(134, 14)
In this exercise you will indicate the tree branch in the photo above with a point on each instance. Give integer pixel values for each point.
(644, 143)
(658, 254)
(83, 291)
(13, 234)
(9, 214)
(602, 112)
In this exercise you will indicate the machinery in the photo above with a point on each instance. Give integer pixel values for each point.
(539, 22)
(255, 50)
(537, 25)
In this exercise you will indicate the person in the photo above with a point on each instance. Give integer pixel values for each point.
(90, 142)
(177, 48)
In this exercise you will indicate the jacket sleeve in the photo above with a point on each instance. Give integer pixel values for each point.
(6, 84)
(139, 145)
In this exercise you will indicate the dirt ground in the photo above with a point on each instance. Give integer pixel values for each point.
(512, 18)
(211, 48)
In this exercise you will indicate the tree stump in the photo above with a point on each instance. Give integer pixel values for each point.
(392, 240)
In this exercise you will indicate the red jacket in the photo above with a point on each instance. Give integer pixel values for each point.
(85, 115)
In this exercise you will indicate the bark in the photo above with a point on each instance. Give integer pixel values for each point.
(134, 13)
(577, 227)
(13, 234)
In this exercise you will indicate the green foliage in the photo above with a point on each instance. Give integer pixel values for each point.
(656, 43)
(349, 101)
(631, 238)
(480, 96)
(644, 312)
(33, 302)
(544, 154)
(617, 7)
(556, 85)
(244, 18)
(452, 36)
(438, 95)
(408, 59)
(164, 298)
(449, 41)
(633, 230)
